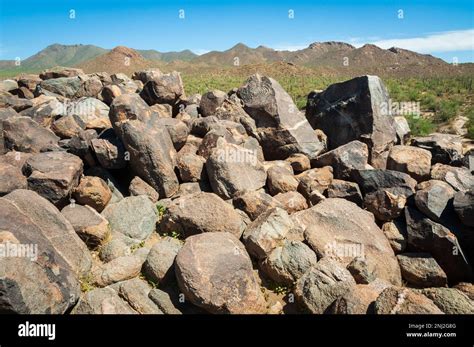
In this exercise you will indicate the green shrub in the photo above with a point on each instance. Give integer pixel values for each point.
(446, 110)
(420, 126)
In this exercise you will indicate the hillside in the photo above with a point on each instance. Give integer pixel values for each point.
(152, 54)
(62, 55)
(119, 59)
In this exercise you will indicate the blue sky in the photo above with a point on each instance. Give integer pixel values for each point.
(442, 28)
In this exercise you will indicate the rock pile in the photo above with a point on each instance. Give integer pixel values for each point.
(124, 195)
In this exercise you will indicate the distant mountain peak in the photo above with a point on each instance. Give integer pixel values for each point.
(126, 51)
(240, 45)
(370, 46)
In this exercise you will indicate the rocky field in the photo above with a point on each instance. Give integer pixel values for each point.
(124, 195)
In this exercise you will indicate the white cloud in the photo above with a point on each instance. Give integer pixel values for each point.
(290, 47)
(200, 51)
(449, 41)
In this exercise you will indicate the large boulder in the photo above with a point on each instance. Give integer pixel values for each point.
(315, 181)
(323, 283)
(399, 300)
(5, 113)
(118, 269)
(215, 272)
(282, 128)
(8, 85)
(444, 148)
(133, 216)
(291, 202)
(460, 178)
(358, 300)
(45, 112)
(433, 198)
(135, 292)
(53, 226)
(395, 232)
(267, 231)
(60, 71)
(464, 206)
(91, 227)
(233, 170)
(140, 187)
(159, 264)
(68, 126)
(133, 122)
(210, 101)
(385, 205)
(72, 87)
(25, 135)
(191, 167)
(91, 111)
(340, 229)
(8, 101)
(425, 235)
(281, 180)
(254, 203)
(36, 278)
(345, 159)
(399, 183)
(358, 109)
(93, 191)
(450, 300)
(11, 178)
(102, 301)
(201, 213)
(287, 263)
(345, 190)
(411, 160)
(109, 150)
(421, 270)
(163, 89)
(53, 175)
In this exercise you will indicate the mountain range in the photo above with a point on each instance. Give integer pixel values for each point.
(331, 57)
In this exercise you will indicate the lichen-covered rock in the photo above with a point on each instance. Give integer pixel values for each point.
(340, 229)
(323, 283)
(398, 300)
(133, 216)
(282, 128)
(53, 175)
(421, 270)
(209, 268)
(411, 160)
(159, 264)
(93, 191)
(287, 263)
(233, 170)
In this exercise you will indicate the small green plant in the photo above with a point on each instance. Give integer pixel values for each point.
(150, 282)
(174, 234)
(137, 246)
(87, 283)
(278, 288)
(160, 210)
